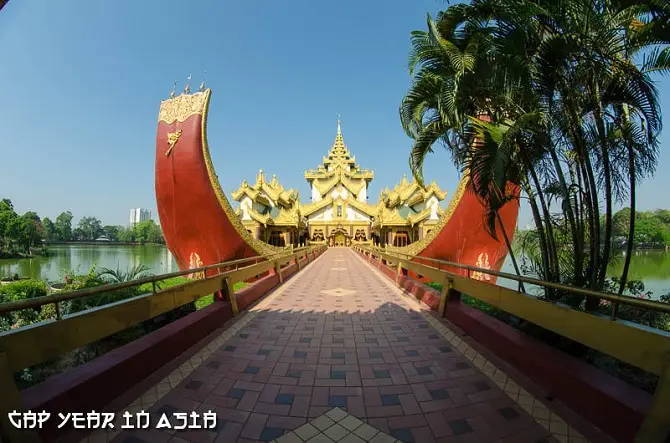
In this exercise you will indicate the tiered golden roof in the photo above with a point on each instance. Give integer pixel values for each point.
(286, 202)
(259, 190)
(396, 206)
(339, 166)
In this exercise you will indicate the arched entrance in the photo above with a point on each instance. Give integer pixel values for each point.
(339, 237)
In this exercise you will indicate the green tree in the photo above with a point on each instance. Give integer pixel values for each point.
(112, 232)
(553, 97)
(78, 234)
(648, 228)
(621, 222)
(148, 232)
(49, 229)
(663, 215)
(126, 235)
(90, 228)
(31, 231)
(63, 226)
(7, 221)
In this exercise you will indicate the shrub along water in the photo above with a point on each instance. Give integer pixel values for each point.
(30, 289)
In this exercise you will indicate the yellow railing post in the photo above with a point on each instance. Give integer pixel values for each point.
(278, 271)
(398, 272)
(296, 257)
(656, 425)
(444, 296)
(11, 401)
(229, 294)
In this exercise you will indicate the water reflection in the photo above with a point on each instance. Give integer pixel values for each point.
(80, 258)
(651, 267)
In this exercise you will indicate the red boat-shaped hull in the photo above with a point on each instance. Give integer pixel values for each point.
(461, 235)
(199, 225)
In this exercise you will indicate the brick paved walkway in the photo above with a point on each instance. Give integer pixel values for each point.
(337, 335)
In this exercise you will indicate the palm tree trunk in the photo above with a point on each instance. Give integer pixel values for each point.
(607, 172)
(510, 251)
(570, 213)
(595, 241)
(541, 235)
(551, 240)
(631, 226)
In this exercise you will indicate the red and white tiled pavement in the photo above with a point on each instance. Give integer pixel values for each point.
(339, 354)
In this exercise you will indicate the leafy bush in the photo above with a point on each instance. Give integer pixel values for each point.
(21, 290)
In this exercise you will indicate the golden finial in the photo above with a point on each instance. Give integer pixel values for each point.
(187, 89)
(339, 125)
(202, 85)
(174, 85)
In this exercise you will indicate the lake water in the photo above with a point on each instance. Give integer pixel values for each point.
(80, 258)
(652, 267)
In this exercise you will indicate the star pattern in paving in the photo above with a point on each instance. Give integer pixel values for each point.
(338, 292)
(336, 425)
(338, 269)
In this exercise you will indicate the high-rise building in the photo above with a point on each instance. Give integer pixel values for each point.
(139, 215)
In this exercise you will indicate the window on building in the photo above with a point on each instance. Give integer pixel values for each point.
(339, 211)
(401, 239)
(277, 239)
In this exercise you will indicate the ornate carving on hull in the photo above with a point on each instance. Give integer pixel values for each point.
(173, 138)
(195, 262)
(482, 262)
(180, 108)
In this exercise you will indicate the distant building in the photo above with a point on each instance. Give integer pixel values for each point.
(339, 213)
(139, 215)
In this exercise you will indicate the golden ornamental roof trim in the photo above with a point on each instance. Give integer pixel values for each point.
(180, 108)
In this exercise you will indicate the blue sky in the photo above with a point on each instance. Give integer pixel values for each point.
(81, 82)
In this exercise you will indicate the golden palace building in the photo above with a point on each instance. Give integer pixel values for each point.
(339, 213)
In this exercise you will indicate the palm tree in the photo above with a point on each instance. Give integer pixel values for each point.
(112, 276)
(551, 79)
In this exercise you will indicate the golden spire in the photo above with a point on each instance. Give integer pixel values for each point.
(202, 85)
(338, 147)
(187, 89)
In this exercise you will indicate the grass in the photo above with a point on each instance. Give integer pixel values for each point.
(209, 299)
(201, 302)
(472, 302)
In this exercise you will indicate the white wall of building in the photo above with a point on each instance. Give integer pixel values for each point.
(316, 195)
(340, 191)
(354, 214)
(363, 195)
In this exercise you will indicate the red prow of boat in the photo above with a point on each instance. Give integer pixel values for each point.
(199, 225)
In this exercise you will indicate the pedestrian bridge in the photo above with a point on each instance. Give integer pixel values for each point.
(333, 345)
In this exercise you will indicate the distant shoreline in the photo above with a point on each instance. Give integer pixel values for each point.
(99, 243)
